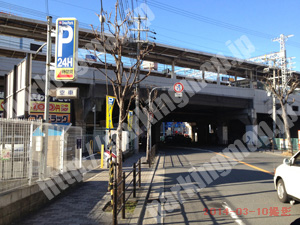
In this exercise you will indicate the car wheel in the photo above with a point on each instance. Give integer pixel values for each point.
(281, 192)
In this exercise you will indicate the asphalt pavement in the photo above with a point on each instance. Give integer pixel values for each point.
(243, 194)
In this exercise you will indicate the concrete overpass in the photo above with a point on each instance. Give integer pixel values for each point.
(239, 106)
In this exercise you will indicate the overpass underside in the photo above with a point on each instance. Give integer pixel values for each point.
(215, 120)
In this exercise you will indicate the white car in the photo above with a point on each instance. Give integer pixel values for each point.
(287, 180)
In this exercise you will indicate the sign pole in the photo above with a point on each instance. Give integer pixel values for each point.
(43, 160)
(48, 61)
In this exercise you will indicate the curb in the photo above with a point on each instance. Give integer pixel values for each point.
(277, 154)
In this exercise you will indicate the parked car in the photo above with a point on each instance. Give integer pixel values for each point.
(177, 140)
(287, 180)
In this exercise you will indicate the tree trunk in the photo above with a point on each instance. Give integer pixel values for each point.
(286, 127)
(119, 147)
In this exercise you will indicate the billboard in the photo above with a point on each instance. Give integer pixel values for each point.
(59, 109)
(66, 49)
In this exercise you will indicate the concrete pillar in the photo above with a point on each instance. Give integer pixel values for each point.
(218, 76)
(251, 139)
(222, 134)
(251, 79)
(203, 74)
(193, 133)
(173, 75)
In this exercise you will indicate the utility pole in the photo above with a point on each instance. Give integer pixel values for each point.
(137, 87)
(279, 59)
(274, 107)
(43, 164)
(94, 109)
(283, 60)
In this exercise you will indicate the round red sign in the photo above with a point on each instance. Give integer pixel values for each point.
(178, 87)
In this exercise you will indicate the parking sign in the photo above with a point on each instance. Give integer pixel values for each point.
(66, 49)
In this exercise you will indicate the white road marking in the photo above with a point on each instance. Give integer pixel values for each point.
(233, 214)
(197, 149)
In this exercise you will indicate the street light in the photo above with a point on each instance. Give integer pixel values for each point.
(149, 144)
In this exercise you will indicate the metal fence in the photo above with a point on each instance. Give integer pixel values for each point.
(132, 178)
(32, 150)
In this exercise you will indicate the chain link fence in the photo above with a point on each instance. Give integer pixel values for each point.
(32, 150)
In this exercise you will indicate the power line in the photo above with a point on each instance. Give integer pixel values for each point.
(42, 15)
(172, 38)
(215, 22)
(34, 13)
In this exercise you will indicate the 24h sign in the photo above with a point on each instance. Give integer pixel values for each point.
(66, 49)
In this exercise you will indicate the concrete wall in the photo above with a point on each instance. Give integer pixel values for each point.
(20, 202)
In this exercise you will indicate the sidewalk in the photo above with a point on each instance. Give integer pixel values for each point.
(278, 152)
(84, 204)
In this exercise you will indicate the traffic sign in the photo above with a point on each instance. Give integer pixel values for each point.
(178, 95)
(178, 87)
(66, 49)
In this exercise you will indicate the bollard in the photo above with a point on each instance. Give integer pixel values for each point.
(102, 155)
(134, 180)
(123, 197)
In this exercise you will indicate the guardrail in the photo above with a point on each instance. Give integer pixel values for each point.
(136, 172)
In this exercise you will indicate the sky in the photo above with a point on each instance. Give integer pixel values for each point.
(204, 25)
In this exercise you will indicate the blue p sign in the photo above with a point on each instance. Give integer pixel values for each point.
(66, 49)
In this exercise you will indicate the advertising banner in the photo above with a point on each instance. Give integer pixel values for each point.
(110, 101)
(130, 120)
(54, 107)
(59, 109)
(53, 117)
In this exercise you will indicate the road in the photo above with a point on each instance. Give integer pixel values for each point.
(243, 195)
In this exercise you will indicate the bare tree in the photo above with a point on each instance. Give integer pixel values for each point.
(124, 79)
(282, 92)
